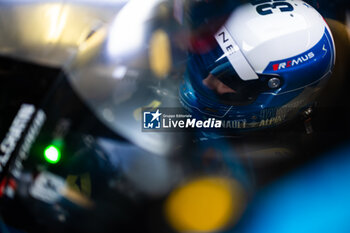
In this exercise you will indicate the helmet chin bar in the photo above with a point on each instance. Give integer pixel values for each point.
(235, 55)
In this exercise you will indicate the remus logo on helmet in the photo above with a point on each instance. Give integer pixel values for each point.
(294, 62)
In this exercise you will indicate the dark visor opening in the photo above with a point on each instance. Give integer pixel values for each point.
(217, 80)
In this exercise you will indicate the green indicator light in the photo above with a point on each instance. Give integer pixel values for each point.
(52, 154)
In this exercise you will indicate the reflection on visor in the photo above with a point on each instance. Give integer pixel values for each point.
(220, 81)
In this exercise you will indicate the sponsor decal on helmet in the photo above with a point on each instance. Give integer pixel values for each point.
(234, 55)
(293, 62)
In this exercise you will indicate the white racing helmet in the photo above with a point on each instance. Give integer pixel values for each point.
(270, 60)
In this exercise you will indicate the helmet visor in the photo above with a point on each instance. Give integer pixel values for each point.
(219, 81)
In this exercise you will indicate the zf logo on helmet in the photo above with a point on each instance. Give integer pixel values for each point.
(152, 120)
(265, 7)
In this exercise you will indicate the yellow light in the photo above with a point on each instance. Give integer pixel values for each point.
(205, 205)
(58, 19)
(160, 54)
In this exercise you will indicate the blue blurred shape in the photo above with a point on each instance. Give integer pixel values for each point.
(313, 199)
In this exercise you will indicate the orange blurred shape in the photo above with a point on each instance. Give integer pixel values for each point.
(205, 204)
